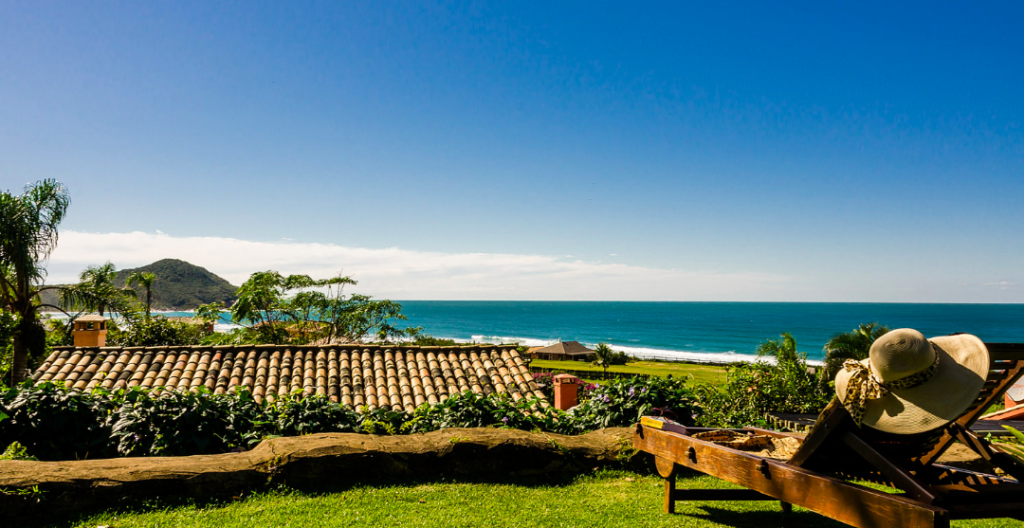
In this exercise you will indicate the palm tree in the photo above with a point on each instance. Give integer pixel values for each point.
(855, 344)
(783, 350)
(28, 234)
(604, 355)
(144, 279)
(98, 283)
(96, 291)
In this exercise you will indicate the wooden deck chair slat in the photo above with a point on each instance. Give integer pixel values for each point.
(899, 476)
(1013, 352)
(1006, 351)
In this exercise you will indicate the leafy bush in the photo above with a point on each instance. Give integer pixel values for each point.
(16, 451)
(57, 424)
(620, 358)
(545, 383)
(235, 336)
(155, 331)
(176, 423)
(497, 410)
(623, 402)
(59, 332)
(384, 421)
(754, 389)
(296, 417)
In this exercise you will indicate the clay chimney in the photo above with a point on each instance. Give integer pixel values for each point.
(565, 391)
(90, 331)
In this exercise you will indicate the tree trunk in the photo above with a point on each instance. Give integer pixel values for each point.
(19, 362)
(29, 338)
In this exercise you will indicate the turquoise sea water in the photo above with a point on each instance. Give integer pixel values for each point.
(700, 330)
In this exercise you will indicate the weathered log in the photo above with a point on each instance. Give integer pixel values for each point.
(313, 461)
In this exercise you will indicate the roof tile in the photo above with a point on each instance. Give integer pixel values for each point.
(395, 377)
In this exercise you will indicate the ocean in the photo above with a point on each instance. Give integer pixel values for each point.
(701, 331)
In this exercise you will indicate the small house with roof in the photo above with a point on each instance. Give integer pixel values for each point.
(564, 351)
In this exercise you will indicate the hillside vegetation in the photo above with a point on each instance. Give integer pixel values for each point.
(182, 286)
(178, 286)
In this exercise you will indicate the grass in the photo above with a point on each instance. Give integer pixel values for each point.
(714, 374)
(606, 498)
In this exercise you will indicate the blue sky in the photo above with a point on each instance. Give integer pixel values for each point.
(805, 152)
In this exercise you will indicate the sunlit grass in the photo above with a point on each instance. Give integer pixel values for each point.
(608, 499)
(714, 374)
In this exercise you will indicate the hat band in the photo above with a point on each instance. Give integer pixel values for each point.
(864, 385)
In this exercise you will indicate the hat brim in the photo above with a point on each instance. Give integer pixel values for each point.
(963, 366)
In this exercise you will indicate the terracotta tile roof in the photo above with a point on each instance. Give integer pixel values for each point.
(398, 377)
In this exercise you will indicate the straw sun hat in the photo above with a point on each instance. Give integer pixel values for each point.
(910, 384)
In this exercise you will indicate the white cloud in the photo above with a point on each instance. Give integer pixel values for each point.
(406, 274)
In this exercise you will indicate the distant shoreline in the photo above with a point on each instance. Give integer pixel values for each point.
(702, 333)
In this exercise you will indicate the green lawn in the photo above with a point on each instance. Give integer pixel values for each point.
(606, 499)
(714, 374)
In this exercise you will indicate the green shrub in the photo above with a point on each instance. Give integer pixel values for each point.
(57, 424)
(235, 336)
(756, 388)
(312, 415)
(497, 410)
(623, 402)
(16, 451)
(620, 358)
(59, 332)
(384, 421)
(189, 423)
(155, 331)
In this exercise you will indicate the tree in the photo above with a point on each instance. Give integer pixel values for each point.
(783, 349)
(300, 309)
(605, 355)
(209, 314)
(855, 344)
(145, 280)
(28, 234)
(361, 316)
(257, 306)
(96, 292)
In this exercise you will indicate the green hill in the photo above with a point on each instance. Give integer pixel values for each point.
(182, 286)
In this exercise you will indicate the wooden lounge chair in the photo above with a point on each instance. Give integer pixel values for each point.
(821, 475)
